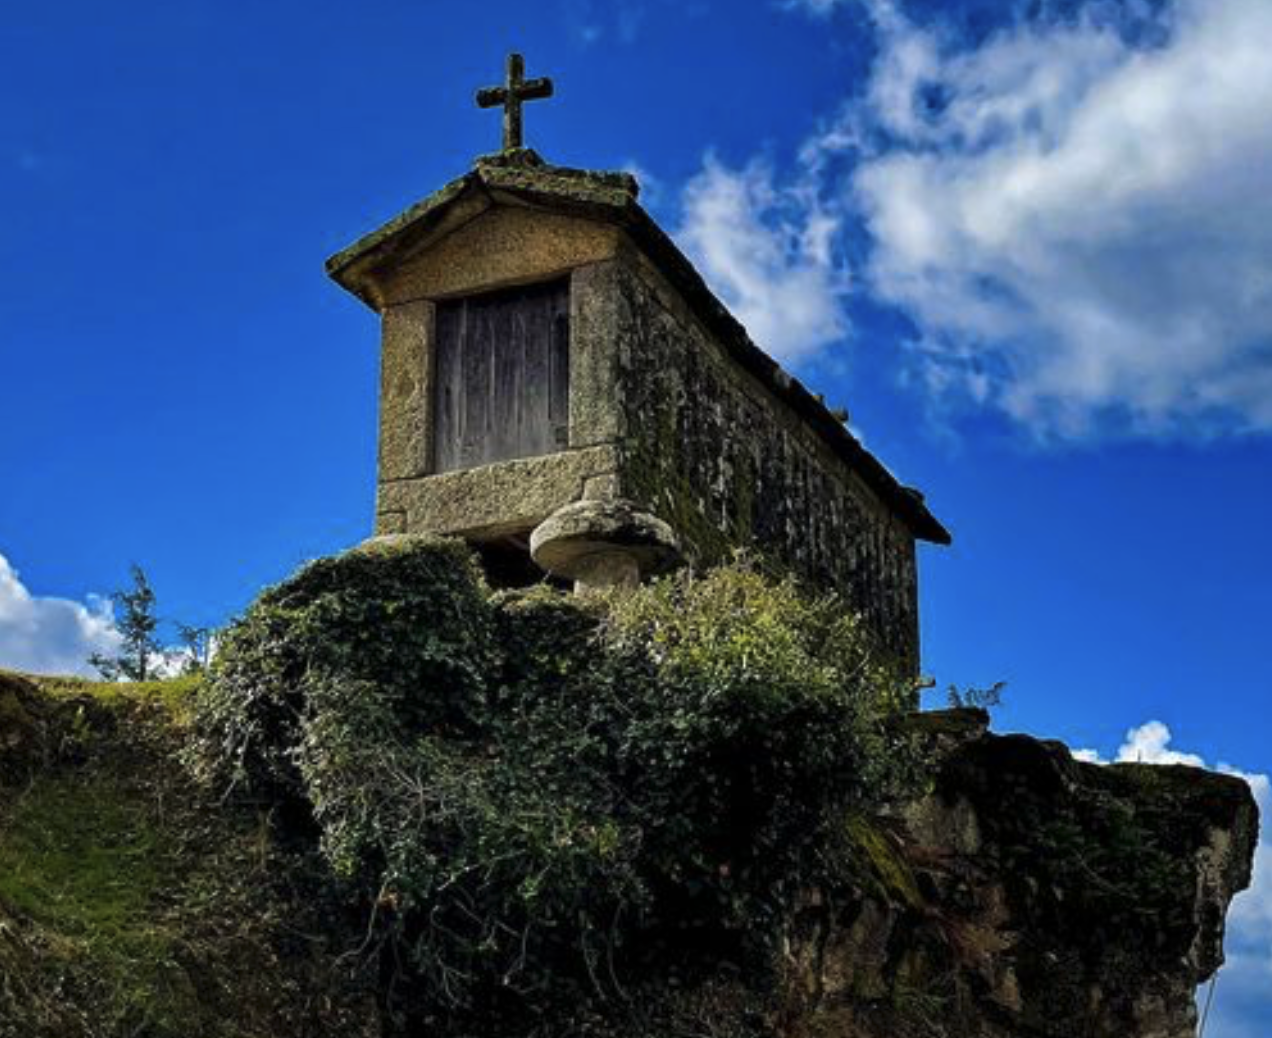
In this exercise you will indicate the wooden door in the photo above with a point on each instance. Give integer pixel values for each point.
(502, 376)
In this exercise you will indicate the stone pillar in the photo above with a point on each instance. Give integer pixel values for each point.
(603, 544)
(406, 419)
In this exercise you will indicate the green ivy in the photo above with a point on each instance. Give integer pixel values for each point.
(533, 790)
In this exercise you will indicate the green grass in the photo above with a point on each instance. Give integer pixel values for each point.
(87, 863)
(83, 856)
(133, 904)
(172, 694)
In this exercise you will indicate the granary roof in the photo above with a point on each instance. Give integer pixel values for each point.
(522, 177)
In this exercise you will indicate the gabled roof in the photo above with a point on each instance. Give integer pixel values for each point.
(611, 198)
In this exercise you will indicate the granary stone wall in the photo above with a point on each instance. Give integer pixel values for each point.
(497, 247)
(709, 449)
(661, 414)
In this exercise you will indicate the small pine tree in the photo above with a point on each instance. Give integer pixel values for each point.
(196, 646)
(137, 624)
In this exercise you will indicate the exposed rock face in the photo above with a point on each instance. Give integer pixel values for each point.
(1029, 895)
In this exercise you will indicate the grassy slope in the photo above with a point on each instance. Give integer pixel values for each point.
(133, 904)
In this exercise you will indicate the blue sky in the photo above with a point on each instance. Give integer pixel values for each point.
(1028, 245)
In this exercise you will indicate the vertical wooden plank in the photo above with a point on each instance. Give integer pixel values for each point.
(494, 332)
(534, 436)
(457, 380)
(515, 388)
(504, 348)
(557, 341)
(447, 388)
(476, 377)
(536, 439)
(522, 389)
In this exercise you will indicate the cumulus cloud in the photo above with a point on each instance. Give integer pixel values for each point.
(768, 249)
(1073, 210)
(1077, 216)
(51, 635)
(1247, 977)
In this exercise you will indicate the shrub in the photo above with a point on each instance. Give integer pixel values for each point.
(412, 621)
(762, 727)
(548, 801)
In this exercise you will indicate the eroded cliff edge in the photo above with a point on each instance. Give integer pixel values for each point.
(1029, 894)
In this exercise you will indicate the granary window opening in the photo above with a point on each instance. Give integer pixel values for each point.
(502, 376)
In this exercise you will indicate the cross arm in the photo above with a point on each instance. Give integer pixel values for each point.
(534, 89)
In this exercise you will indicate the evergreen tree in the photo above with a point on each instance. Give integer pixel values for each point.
(137, 623)
(196, 646)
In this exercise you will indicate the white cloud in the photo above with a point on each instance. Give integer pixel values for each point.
(1079, 222)
(1244, 991)
(768, 250)
(1150, 744)
(51, 635)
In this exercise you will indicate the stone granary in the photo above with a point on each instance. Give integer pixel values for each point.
(558, 382)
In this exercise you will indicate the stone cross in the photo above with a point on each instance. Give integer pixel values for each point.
(516, 90)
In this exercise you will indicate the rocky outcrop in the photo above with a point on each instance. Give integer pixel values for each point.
(1028, 895)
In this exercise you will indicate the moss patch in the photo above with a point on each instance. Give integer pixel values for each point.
(882, 860)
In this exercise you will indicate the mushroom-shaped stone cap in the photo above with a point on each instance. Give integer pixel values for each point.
(573, 539)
